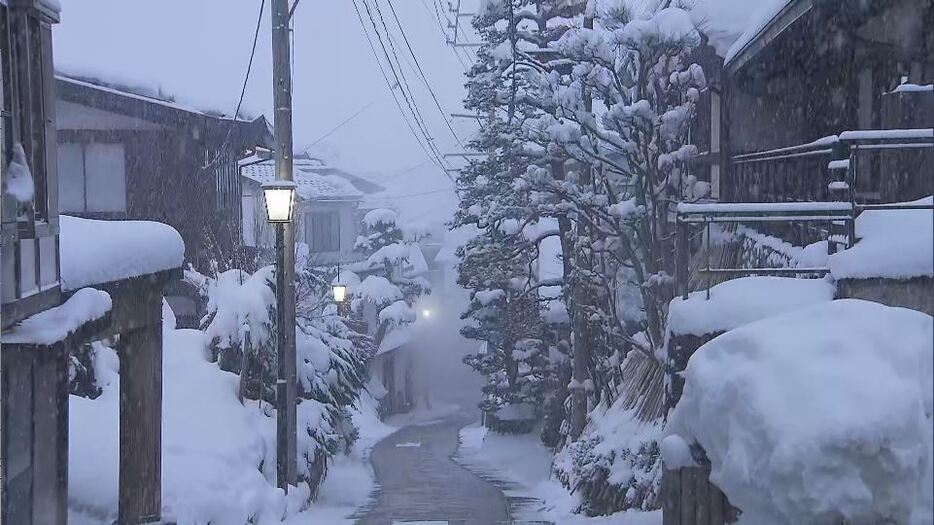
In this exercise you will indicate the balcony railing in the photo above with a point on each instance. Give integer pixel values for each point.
(862, 167)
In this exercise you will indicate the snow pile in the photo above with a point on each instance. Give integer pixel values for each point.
(397, 314)
(239, 304)
(741, 301)
(523, 464)
(488, 297)
(894, 244)
(94, 252)
(379, 290)
(667, 25)
(913, 88)
(55, 324)
(19, 181)
(380, 216)
(822, 415)
(218, 455)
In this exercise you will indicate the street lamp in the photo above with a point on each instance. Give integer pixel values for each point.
(340, 293)
(280, 200)
(280, 203)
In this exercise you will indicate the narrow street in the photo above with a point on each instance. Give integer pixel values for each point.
(418, 481)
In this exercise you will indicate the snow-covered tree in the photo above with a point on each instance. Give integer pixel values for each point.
(331, 359)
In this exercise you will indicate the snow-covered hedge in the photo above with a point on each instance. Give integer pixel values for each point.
(821, 415)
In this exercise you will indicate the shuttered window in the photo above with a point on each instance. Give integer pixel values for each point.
(322, 231)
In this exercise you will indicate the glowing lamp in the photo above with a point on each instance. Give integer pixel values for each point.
(340, 293)
(280, 200)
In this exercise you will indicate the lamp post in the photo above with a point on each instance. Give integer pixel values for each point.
(279, 196)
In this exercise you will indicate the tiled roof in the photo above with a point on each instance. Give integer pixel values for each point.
(311, 185)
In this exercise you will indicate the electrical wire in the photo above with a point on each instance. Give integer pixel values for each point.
(400, 75)
(403, 84)
(422, 73)
(393, 91)
(246, 79)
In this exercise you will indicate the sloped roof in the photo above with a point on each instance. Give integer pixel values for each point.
(312, 185)
(146, 96)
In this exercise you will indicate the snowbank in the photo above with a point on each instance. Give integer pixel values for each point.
(379, 290)
(218, 455)
(818, 415)
(521, 465)
(55, 324)
(740, 301)
(894, 244)
(94, 252)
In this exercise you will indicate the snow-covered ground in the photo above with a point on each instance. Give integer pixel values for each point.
(522, 465)
(218, 462)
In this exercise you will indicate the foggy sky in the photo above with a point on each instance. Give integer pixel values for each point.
(197, 50)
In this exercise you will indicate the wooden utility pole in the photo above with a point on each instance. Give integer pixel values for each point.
(580, 363)
(286, 435)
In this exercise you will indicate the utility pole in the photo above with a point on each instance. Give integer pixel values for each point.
(286, 435)
(581, 350)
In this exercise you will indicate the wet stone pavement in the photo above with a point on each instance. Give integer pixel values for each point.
(418, 481)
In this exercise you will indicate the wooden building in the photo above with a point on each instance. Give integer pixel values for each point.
(812, 72)
(46, 314)
(127, 154)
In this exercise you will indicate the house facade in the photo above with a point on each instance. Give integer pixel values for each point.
(326, 215)
(65, 282)
(125, 154)
(812, 71)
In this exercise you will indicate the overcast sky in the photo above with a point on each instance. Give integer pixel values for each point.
(198, 51)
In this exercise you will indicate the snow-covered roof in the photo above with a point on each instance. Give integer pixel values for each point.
(311, 184)
(95, 252)
(143, 95)
(760, 19)
(55, 324)
(894, 244)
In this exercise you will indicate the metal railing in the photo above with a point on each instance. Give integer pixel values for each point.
(864, 166)
(705, 215)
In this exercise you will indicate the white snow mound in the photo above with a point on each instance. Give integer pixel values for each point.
(741, 301)
(818, 415)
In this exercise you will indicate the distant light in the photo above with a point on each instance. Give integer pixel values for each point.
(426, 313)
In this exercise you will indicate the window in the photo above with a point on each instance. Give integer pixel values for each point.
(322, 231)
(91, 177)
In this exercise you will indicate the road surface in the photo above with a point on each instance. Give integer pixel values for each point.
(418, 481)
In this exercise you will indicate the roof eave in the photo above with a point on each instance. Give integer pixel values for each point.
(776, 26)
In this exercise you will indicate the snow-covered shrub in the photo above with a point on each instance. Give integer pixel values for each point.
(331, 358)
(616, 463)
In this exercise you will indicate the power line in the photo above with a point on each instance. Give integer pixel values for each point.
(422, 73)
(391, 90)
(402, 81)
(246, 79)
(437, 17)
(400, 76)
(339, 126)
